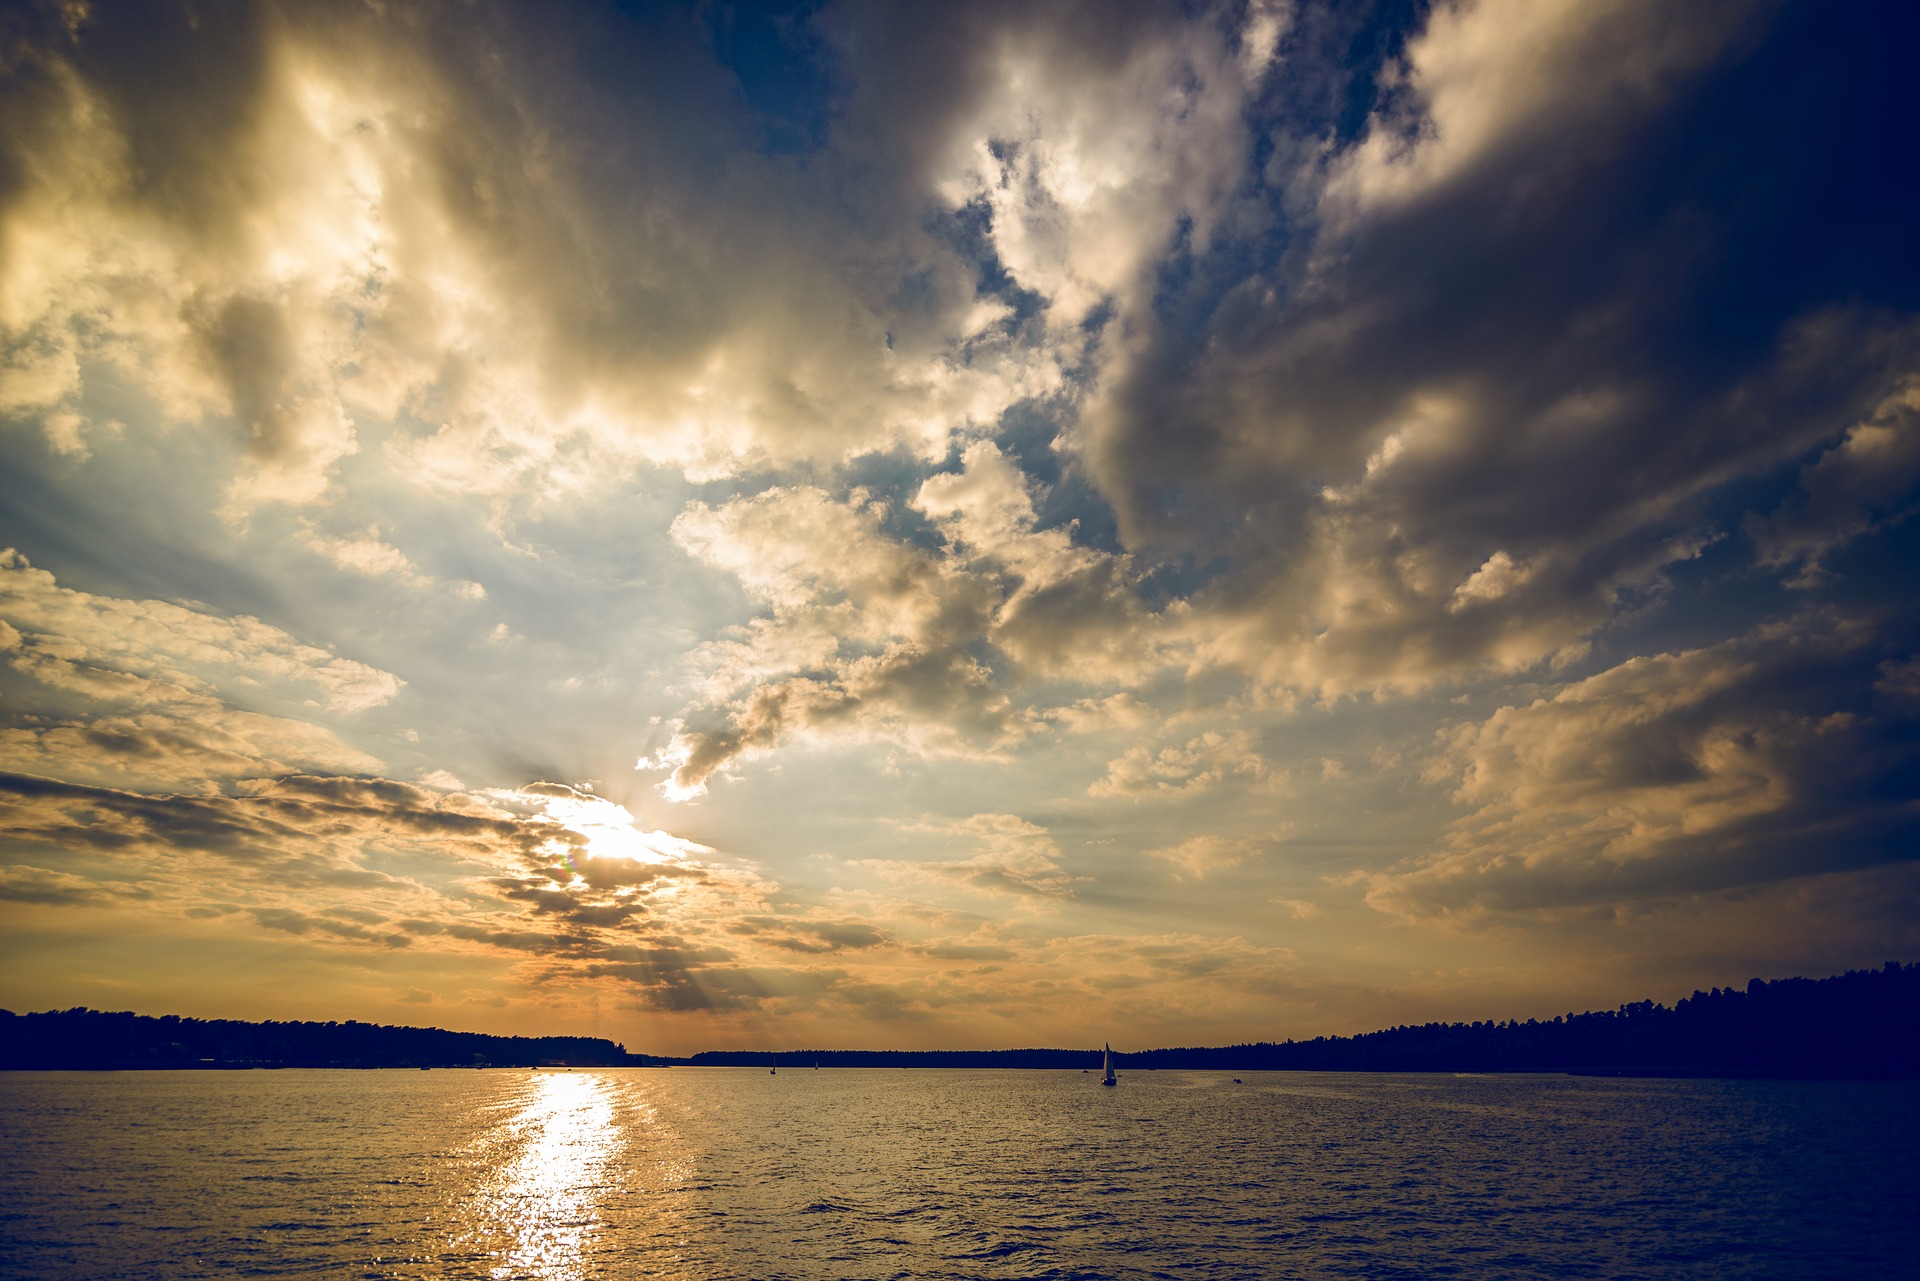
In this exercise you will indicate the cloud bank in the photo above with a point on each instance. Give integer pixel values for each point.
(1060, 501)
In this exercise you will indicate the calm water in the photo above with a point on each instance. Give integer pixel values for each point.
(843, 1174)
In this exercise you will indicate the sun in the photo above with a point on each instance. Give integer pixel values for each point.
(610, 832)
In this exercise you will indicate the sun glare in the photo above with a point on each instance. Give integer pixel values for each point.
(611, 832)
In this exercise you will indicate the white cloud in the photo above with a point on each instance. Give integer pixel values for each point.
(1486, 71)
(368, 554)
(408, 244)
(872, 636)
(73, 633)
(1198, 856)
(884, 624)
(1015, 858)
(1065, 610)
(1490, 582)
(160, 694)
(1198, 765)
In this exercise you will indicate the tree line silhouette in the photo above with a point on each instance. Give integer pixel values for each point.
(83, 1038)
(1862, 1024)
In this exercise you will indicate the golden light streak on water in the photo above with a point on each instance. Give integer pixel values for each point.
(538, 1212)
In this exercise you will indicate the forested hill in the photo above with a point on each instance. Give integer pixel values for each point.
(1863, 1024)
(84, 1038)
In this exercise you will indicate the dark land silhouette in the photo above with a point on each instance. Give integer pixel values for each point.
(1862, 1024)
(83, 1038)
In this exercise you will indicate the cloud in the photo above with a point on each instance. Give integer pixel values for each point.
(1491, 74)
(292, 921)
(1490, 582)
(1089, 156)
(1451, 431)
(811, 937)
(969, 952)
(145, 689)
(1065, 610)
(1186, 769)
(185, 743)
(300, 836)
(1197, 856)
(1251, 386)
(1107, 712)
(367, 554)
(74, 636)
(1748, 761)
(883, 623)
(549, 876)
(1900, 678)
(882, 639)
(1862, 483)
(1016, 859)
(48, 888)
(367, 219)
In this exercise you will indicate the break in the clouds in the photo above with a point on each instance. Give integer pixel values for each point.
(1094, 521)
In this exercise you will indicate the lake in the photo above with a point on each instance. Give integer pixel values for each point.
(873, 1173)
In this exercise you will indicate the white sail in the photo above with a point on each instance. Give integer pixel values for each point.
(1107, 1063)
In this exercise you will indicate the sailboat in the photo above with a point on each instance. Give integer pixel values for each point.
(1108, 1078)
(775, 1069)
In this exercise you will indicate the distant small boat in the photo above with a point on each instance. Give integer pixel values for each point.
(1108, 1078)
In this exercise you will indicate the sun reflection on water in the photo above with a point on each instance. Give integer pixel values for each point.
(541, 1208)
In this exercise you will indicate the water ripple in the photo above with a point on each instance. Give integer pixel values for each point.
(981, 1176)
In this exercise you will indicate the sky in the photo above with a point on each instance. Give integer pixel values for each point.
(954, 525)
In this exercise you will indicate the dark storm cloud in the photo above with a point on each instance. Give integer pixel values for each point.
(1771, 756)
(1541, 347)
(1865, 483)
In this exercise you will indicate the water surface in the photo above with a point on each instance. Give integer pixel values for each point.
(856, 1173)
